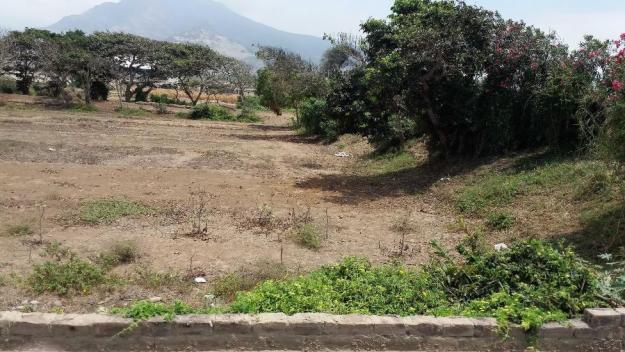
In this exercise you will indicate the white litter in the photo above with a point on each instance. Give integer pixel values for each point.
(446, 179)
(52, 149)
(500, 247)
(343, 155)
(200, 280)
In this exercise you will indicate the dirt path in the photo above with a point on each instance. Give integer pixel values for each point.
(62, 160)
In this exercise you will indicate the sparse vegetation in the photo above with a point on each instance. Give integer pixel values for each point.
(23, 229)
(107, 211)
(122, 252)
(132, 112)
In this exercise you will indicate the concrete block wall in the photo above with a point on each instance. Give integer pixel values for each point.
(599, 330)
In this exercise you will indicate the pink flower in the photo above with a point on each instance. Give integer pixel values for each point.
(617, 85)
(623, 36)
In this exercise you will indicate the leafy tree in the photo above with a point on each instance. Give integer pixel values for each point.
(24, 54)
(197, 69)
(239, 75)
(137, 61)
(287, 79)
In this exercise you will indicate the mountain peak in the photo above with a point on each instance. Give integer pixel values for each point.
(201, 21)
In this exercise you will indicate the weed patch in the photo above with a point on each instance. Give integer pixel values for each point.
(123, 252)
(107, 211)
(389, 163)
(515, 286)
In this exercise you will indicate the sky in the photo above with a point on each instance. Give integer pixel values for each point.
(570, 18)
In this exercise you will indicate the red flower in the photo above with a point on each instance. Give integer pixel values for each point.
(623, 36)
(617, 85)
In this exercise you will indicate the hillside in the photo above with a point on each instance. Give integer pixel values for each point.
(198, 21)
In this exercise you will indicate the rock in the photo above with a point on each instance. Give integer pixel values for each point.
(500, 247)
(155, 299)
(200, 280)
(34, 303)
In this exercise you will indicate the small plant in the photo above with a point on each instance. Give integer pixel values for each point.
(148, 278)
(308, 236)
(500, 220)
(211, 112)
(20, 230)
(107, 211)
(65, 273)
(123, 252)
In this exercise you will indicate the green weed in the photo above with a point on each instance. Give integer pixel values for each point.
(500, 220)
(248, 277)
(20, 230)
(308, 236)
(107, 211)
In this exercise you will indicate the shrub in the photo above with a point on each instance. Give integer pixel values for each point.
(515, 285)
(147, 277)
(123, 252)
(107, 211)
(99, 91)
(308, 236)
(500, 220)
(65, 273)
(211, 112)
(8, 85)
(250, 102)
(165, 99)
(312, 119)
(248, 277)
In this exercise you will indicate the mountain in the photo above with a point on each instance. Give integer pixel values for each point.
(198, 21)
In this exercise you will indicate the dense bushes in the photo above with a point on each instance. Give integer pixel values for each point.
(473, 83)
(218, 113)
(8, 85)
(516, 285)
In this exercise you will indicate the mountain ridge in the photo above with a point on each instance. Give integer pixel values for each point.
(198, 21)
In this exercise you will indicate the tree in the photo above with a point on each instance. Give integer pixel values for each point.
(25, 53)
(136, 59)
(84, 60)
(197, 69)
(287, 79)
(346, 53)
(240, 75)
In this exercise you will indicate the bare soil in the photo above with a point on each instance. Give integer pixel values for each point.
(59, 160)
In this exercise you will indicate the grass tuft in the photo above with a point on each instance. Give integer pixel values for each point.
(308, 236)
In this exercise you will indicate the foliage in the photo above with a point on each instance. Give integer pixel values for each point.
(211, 112)
(8, 85)
(308, 235)
(249, 106)
(144, 310)
(500, 220)
(248, 277)
(165, 99)
(65, 273)
(106, 211)
(287, 79)
(530, 284)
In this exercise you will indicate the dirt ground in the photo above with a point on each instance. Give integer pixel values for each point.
(59, 160)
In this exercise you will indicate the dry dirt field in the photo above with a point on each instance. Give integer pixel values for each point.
(244, 182)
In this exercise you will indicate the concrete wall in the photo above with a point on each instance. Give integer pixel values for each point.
(600, 330)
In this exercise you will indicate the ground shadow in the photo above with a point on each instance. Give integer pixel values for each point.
(354, 189)
(286, 138)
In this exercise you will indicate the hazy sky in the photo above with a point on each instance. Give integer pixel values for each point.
(570, 18)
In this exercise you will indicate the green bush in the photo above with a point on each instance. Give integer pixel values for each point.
(311, 116)
(8, 85)
(530, 283)
(144, 310)
(250, 102)
(211, 112)
(107, 211)
(65, 273)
